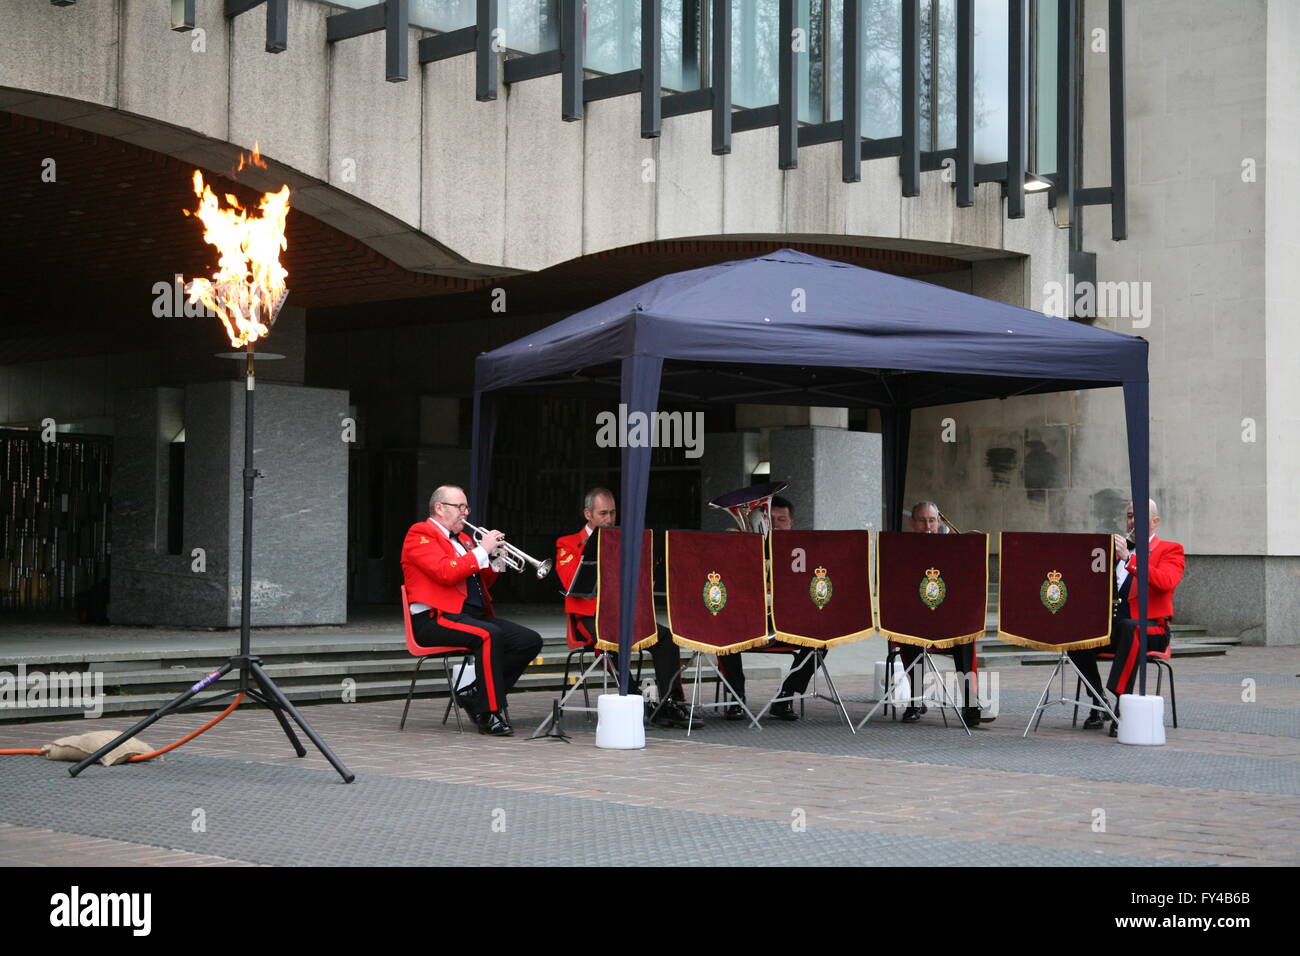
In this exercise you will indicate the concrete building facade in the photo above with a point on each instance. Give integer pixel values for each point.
(474, 220)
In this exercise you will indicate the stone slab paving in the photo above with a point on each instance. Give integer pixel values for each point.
(806, 792)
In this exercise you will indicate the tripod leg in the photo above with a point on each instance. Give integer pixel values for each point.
(274, 707)
(663, 698)
(544, 727)
(170, 707)
(1042, 700)
(887, 700)
(283, 701)
(732, 691)
(695, 696)
(838, 699)
(946, 700)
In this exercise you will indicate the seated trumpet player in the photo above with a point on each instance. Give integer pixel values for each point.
(448, 576)
(599, 510)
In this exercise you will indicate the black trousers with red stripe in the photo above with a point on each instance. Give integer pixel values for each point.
(502, 649)
(663, 652)
(1123, 670)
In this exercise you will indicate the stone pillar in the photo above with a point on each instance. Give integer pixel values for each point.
(835, 476)
(144, 578)
(299, 508)
(727, 464)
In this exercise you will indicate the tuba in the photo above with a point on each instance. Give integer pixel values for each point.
(751, 507)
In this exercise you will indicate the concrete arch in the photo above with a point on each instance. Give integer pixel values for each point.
(439, 182)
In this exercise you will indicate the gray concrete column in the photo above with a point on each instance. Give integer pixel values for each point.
(144, 578)
(727, 464)
(299, 508)
(835, 476)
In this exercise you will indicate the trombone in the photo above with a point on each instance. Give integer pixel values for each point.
(513, 557)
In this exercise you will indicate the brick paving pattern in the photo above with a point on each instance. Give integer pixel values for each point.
(1224, 790)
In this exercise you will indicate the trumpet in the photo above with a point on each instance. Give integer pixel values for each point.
(512, 557)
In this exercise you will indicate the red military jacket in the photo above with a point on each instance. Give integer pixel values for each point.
(568, 554)
(435, 574)
(1164, 571)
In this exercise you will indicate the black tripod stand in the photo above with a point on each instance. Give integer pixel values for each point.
(260, 688)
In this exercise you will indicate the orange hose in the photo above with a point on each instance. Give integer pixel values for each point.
(136, 758)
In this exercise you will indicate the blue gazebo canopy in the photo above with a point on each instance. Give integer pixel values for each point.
(793, 329)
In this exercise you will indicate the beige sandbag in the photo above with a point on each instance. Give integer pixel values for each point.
(80, 747)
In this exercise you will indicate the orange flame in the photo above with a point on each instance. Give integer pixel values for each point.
(248, 286)
(254, 159)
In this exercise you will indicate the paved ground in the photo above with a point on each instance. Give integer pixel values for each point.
(1225, 790)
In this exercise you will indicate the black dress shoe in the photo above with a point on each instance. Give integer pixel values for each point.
(783, 710)
(1114, 728)
(671, 714)
(734, 712)
(684, 715)
(467, 703)
(494, 725)
(972, 716)
(1095, 721)
(911, 715)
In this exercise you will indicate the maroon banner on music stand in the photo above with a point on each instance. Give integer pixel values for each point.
(645, 629)
(932, 589)
(1055, 590)
(717, 590)
(821, 586)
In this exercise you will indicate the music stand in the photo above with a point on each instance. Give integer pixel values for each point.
(1062, 663)
(553, 718)
(584, 584)
(1056, 593)
(818, 659)
(714, 559)
(697, 659)
(922, 661)
(819, 600)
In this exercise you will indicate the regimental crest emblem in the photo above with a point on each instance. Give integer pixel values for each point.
(715, 593)
(1053, 593)
(820, 589)
(932, 589)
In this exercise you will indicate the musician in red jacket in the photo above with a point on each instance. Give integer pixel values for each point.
(599, 510)
(447, 580)
(1164, 572)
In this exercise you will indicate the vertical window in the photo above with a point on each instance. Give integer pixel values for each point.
(614, 35)
(684, 44)
(1042, 158)
(754, 28)
(991, 18)
(531, 26)
(881, 90)
(442, 15)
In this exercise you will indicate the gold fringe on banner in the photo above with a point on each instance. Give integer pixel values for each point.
(638, 646)
(715, 649)
(1040, 646)
(802, 641)
(942, 645)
